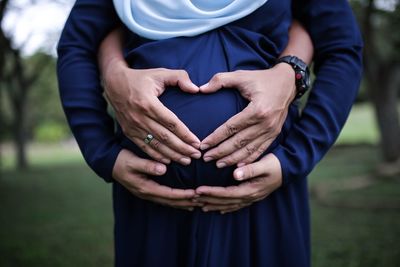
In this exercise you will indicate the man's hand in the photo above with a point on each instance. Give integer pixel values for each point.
(131, 172)
(259, 180)
(249, 133)
(134, 96)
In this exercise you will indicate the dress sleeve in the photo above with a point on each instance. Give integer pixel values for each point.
(79, 83)
(338, 69)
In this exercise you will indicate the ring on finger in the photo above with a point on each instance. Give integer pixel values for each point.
(148, 138)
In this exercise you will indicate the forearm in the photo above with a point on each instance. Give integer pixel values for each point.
(110, 52)
(338, 68)
(300, 43)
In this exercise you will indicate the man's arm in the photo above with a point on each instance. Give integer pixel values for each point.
(338, 69)
(86, 109)
(79, 84)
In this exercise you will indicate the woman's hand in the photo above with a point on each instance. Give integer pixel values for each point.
(131, 172)
(134, 97)
(259, 180)
(249, 133)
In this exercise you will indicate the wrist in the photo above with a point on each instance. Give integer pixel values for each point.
(302, 73)
(287, 73)
(114, 72)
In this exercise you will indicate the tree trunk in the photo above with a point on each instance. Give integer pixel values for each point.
(20, 136)
(384, 98)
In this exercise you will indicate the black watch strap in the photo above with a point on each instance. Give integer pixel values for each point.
(301, 71)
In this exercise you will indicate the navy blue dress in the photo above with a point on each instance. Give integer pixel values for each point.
(272, 232)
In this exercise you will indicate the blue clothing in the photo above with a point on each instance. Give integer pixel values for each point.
(272, 232)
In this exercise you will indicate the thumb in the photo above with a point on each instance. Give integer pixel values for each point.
(180, 78)
(143, 166)
(253, 170)
(221, 80)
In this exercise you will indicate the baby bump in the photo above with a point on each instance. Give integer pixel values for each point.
(202, 114)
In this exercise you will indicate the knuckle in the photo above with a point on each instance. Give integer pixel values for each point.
(143, 146)
(250, 149)
(250, 172)
(142, 191)
(163, 137)
(217, 78)
(143, 105)
(171, 126)
(232, 159)
(155, 144)
(239, 143)
(148, 167)
(230, 129)
(183, 73)
(260, 113)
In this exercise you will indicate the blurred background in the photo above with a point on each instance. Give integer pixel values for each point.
(54, 211)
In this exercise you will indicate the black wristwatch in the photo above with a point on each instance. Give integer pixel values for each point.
(301, 71)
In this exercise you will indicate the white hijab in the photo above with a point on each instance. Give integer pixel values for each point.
(162, 19)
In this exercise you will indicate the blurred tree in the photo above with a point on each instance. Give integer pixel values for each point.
(380, 27)
(17, 80)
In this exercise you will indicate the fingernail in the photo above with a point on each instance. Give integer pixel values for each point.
(204, 146)
(196, 155)
(205, 209)
(223, 212)
(191, 209)
(185, 161)
(221, 164)
(204, 86)
(196, 145)
(241, 164)
(160, 169)
(207, 159)
(239, 175)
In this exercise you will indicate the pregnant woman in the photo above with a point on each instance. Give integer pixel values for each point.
(274, 230)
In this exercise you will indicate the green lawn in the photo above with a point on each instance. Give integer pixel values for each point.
(61, 215)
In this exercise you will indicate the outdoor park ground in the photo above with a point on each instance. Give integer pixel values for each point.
(59, 213)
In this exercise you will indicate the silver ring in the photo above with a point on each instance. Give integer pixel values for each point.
(148, 138)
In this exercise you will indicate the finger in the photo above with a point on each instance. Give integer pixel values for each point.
(145, 166)
(234, 209)
(183, 204)
(218, 201)
(166, 153)
(170, 140)
(152, 189)
(253, 149)
(236, 143)
(232, 126)
(149, 150)
(222, 80)
(180, 78)
(169, 120)
(220, 207)
(256, 154)
(245, 190)
(249, 171)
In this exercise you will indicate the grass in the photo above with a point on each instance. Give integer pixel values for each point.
(360, 127)
(58, 215)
